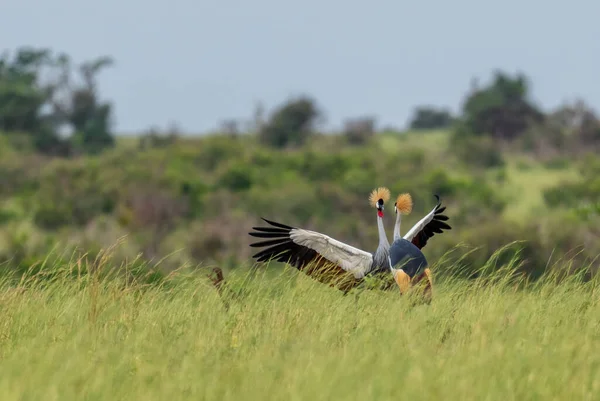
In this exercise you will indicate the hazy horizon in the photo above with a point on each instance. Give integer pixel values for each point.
(198, 63)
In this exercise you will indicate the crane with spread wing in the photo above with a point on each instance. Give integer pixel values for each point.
(341, 265)
(324, 258)
(406, 260)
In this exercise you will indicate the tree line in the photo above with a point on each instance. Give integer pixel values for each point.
(51, 103)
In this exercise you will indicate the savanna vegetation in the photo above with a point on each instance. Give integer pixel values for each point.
(83, 334)
(507, 170)
(142, 323)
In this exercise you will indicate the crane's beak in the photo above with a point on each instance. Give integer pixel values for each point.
(380, 211)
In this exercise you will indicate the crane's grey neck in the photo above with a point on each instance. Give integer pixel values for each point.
(383, 241)
(397, 226)
(380, 257)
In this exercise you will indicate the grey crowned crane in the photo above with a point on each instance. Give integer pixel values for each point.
(407, 262)
(321, 257)
(403, 205)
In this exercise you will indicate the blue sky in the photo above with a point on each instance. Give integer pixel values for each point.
(199, 62)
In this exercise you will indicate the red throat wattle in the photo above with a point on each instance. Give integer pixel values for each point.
(380, 213)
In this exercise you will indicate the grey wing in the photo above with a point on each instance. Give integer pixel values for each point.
(300, 247)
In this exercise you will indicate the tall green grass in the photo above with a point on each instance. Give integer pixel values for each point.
(81, 333)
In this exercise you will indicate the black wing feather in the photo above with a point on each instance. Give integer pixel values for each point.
(270, 230)
(280, 247)
(437, 225)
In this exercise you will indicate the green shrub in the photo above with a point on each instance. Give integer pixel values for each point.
(237, 177)
(478, 151)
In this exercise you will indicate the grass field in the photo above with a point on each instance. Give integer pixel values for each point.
(525, 183)
(287, 337)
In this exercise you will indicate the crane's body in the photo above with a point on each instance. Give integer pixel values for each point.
(405, 255)
(407, 262)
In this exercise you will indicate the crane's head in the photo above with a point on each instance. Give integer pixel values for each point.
(403, 204)
(378, 197)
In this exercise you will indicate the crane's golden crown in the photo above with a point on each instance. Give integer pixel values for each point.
(404, 203)
(379, 193)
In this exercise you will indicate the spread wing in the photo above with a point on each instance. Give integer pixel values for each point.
(302, 248)
(428, 226)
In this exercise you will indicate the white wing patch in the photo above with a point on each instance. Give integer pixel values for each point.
(419, 226)
(351, 259)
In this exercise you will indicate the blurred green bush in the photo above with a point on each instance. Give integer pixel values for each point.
(198, 197)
